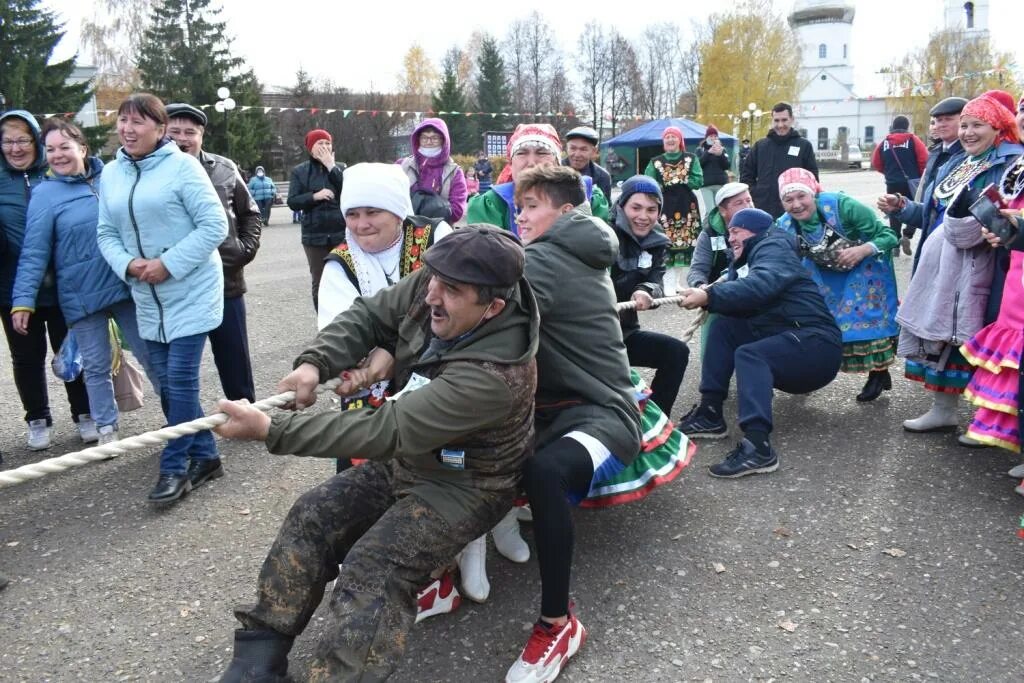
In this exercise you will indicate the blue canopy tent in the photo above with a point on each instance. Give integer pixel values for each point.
(634, 148)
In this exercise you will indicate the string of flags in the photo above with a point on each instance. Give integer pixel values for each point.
(924, 89)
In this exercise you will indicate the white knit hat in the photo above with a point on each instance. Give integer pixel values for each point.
(381, 186)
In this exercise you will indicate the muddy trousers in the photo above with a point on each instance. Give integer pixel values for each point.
(387, 544)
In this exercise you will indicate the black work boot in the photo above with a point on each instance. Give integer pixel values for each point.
(260, 657)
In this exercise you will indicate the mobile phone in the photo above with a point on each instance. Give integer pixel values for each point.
(986, 210)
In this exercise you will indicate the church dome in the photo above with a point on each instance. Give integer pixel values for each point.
(820, 12)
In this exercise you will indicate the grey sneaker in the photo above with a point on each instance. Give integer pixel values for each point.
(1017, 472)
(39, 435)
(87, 428)
(107, 434)
(745, 459)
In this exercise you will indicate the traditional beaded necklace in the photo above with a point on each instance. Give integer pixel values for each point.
(969, 169)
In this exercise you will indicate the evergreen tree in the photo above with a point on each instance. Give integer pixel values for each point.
(28, 36)
(450, 97)
(492, 91)
(185, 57)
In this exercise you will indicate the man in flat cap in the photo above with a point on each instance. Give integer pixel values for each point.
(580, 151)
(229, 342)
(944, 126)
(444, 457)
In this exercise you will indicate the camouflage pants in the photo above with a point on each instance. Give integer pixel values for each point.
(388, 545)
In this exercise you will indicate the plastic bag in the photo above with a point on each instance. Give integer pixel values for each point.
(67, 362)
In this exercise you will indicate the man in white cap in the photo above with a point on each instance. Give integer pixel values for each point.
(580, 152)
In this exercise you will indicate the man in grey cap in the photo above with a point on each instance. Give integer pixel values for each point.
(710, 255)
(581, 150)
(444, 457)
(230, 341)
(944, 125)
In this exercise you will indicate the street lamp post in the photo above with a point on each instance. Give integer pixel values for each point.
(749, 115)
(224, 105)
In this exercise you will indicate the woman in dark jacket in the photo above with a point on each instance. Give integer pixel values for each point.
(22, 168)
(60, 233)
(637, 274)
(714, 162)
(315, 190)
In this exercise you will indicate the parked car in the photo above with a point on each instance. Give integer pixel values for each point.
(855, 157)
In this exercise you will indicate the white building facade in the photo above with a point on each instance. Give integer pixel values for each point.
(828, 111)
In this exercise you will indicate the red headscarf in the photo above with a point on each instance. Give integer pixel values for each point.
(533, 134)
(673, 130)
(993, 111)
(795, 179)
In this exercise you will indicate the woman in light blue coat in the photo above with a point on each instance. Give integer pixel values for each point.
(159, 228)
(61, 229)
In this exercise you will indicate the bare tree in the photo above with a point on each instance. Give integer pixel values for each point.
(623, 77)
(111, 36)
(594, 61)
(532, 59)
(515, 63)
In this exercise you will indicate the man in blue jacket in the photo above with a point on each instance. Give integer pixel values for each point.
(774, 331)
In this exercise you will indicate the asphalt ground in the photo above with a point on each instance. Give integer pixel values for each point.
(870, 555)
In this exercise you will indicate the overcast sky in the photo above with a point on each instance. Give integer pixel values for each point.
(360, 44)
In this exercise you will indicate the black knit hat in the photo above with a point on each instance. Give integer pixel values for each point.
(900, 124)
(180, 109)
(478, 255)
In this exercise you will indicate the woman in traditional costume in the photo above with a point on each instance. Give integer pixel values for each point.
(957, 287)
(847, 250)
(996, 350)
(678, 173)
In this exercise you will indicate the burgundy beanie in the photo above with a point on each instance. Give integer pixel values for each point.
(710, 131)
(316, 135)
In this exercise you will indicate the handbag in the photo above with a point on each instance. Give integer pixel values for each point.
(825, 252)
(127, 377)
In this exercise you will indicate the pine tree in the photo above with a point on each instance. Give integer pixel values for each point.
(185, 57)
(28, 36)
(450, 98)
(492, 91)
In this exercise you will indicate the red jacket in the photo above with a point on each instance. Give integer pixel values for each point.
(894, 142)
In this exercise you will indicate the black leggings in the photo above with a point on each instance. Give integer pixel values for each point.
(556, 470)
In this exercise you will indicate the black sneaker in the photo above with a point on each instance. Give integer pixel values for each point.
(201, 470)
(700, 425)
(744, 460)
(169, 488)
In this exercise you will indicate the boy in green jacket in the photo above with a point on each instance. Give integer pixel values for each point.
(445, 455)
(587, 421)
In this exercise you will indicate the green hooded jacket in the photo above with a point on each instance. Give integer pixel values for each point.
(582, 371)
(479, 399)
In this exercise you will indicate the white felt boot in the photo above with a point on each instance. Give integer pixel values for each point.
(473, 568)
(941, 417)
(507, 539)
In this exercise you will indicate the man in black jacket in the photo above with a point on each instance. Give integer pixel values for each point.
(230, 341)
(783, 148)
(773, 330)
(315, 190)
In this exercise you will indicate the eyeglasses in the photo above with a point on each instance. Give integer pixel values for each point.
(430, 137)
(23, 143)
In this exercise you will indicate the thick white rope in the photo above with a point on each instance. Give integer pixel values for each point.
(20, 475)
(36, 470)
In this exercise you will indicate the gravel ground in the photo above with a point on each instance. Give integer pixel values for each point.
(871, 555)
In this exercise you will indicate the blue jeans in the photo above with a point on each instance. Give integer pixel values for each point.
(796, 361)
(93, 336)
(177, 370)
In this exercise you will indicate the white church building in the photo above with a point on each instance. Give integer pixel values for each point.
(828, 112)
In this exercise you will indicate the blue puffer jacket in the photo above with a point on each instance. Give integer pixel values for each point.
(61, 225)
(164, 206)
(15, 189)
(776, 293)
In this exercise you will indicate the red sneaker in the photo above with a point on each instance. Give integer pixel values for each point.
(547, 651)
(440, 597)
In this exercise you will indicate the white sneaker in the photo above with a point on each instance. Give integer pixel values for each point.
(107, 434)
(39, 435)
(1017, 472)
(440, 597)
(524, 513)
(87, 428)
(473, 569)
(507, 539)
(547, 652)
